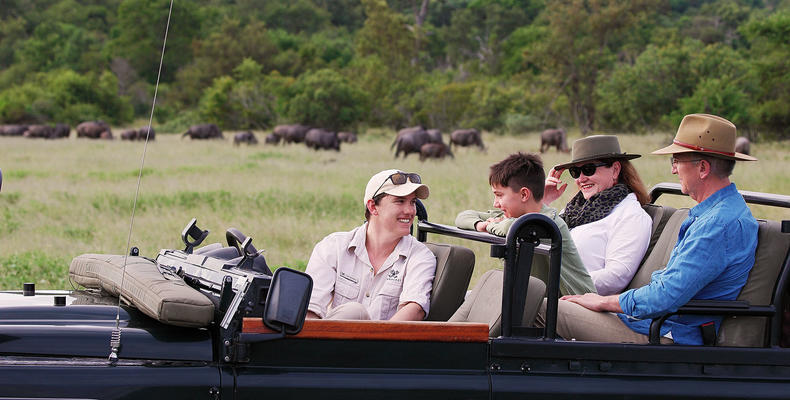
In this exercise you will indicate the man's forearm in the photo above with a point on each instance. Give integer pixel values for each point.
(409, 312)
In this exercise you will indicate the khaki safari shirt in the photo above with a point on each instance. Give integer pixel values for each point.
(342, 272)
(574, 278)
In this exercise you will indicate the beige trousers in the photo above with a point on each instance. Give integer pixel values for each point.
(575, 322)
(351, 310)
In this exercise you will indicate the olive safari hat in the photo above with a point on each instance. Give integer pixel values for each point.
(596, 147)
(706, 134)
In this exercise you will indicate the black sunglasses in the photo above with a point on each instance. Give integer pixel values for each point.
(586, 169)
(399, 178)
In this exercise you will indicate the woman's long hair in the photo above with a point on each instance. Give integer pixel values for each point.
(630, 178)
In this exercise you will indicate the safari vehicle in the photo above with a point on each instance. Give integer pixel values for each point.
(256, 343)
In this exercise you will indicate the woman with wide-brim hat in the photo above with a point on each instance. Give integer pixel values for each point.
(608, 225)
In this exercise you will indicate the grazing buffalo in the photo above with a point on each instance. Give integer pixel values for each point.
(129, 134)
(272, 138)
(467, 137)
(40, 132)
(12, 130)
(291, 133)
(410, 140)
(61, 131)
(203, 131)
(94, 130)
(244, 137)
(742, 145)
(435, 136)
(554, 137)
(138, 134)
(317, 139)
(348, 137)
(435, 150)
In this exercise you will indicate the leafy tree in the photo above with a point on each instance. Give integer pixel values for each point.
(295, 16)
(326, 99)
(385, 35)
(138, 36)
(240, 101)
(770, 61)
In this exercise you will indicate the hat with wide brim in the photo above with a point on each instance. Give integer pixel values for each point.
(381, 183)
(706, 134)
(596, 147)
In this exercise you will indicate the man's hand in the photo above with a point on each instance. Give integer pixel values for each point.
(312, 315)
(596, 302)
(410, 311)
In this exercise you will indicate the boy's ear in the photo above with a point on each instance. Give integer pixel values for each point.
(525, 193)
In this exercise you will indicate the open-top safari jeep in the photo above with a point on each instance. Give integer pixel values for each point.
(255, 343)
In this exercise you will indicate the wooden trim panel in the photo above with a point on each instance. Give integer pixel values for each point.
(382, 330)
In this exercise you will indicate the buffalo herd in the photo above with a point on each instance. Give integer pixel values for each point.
(428, 143)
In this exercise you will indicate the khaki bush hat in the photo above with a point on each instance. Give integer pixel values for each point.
(382, 183)
(708, 134)
(596, 147)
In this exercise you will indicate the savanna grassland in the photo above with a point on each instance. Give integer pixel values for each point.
(63, 198)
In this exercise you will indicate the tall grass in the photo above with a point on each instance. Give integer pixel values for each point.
(64, 198)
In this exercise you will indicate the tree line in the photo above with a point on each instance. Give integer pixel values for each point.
(498, 65)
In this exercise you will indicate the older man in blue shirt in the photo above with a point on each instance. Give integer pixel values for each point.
(711, 260)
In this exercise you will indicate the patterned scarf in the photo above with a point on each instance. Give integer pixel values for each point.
(580, 211)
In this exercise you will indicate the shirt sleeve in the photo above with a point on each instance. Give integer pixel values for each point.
(322, 267)
(625, 248)
(500, 228)
(699, 259)
(467, 219)
(418, 279)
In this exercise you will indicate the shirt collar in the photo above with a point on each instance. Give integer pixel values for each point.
(714, 199)
(357, 243)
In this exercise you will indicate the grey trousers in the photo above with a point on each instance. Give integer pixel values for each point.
(575, 322)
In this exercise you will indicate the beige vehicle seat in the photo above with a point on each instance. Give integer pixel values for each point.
(658, 257)
(770, 257)
(484, 304)
(454, 266)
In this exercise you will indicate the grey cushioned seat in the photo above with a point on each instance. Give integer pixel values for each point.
(772, 250)
(660, 216)
(658, 257)
(484, 303)
(454, 266)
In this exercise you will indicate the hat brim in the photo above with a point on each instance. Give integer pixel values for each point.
(615, 156)
(406, 189)
(675, 149)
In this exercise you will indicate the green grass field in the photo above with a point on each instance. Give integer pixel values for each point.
(64, 198)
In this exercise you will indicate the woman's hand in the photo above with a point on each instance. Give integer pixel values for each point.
(554, 186)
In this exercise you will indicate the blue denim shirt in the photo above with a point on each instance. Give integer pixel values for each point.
(711, 261)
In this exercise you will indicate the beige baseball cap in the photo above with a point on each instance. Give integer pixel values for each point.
(382, 183)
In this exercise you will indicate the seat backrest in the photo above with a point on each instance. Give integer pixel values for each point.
(454, 266)
(484, 303)
(658, 257)
(660, 216)
(770, 257)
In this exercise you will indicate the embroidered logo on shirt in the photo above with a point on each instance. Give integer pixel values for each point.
(393, 275)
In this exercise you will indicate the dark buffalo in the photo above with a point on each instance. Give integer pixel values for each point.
(291, 133)
(435, 150)
(742, 145)
(318, 139)
(94, 130)
(272, 138)
(435, 136)
(203, 131)
(12, 130)
(467, 137)
(244, 137)
(39, 132)
(142, 133)
(410, 140)
(129, 134)
(554, 137)
(348, 137)
(62, 131)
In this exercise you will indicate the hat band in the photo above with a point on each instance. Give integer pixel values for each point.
(705, 149)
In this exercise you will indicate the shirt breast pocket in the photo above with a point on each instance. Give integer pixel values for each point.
(389, 295)
(345, 292)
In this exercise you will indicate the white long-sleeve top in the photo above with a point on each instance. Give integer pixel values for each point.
(612, 247)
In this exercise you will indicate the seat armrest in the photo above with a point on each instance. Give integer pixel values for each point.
(711, 307)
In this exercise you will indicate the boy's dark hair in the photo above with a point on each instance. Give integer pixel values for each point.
(520, 170)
